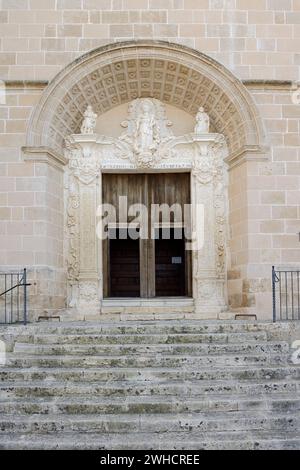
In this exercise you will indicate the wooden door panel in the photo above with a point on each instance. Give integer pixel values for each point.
(124, 268)
(134, 268)
(170, 279)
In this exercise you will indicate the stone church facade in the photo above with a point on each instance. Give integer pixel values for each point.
(238, 59)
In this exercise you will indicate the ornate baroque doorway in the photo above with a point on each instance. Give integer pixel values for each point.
(188, 171)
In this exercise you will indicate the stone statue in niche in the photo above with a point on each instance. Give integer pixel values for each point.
(202, 122)
(89, 121)
(147, 137)
(147, 129)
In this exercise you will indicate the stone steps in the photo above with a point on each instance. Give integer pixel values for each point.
(282, 403)
(150, 328)
(76, 374)
(185, 423)
(149, 385)
(189, 389)
(154, 441)
(154, 360)
(148, 339)
(191, 349)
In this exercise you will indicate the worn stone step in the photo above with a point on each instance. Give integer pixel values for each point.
(186, 389)
(147, 327)
(129, 385)
(283, 403)
(139, 349)
(76, 374)
(185, 423)
(155, 361)
(155, 441)
(175, 338)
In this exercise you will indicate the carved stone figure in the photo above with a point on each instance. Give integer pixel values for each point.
(202, 119)
(89, 121)
(146, 132)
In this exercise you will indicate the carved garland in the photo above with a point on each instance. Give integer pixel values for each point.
(73, 232)
(83, 168)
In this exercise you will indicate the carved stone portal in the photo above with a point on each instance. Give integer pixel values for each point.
(148, 143)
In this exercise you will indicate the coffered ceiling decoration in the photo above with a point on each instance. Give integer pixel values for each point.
(119, 73)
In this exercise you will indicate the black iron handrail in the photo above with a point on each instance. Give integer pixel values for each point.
(286, 294)
(17, 302)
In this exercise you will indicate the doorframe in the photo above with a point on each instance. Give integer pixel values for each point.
(203, 156)
(146, 246)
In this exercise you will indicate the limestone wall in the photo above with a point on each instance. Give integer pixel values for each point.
(254, 38)
(264, 205)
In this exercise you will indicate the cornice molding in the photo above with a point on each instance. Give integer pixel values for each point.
(248, 154)
(44, 155)
(250, 84)
(26, 84)
(271, 85)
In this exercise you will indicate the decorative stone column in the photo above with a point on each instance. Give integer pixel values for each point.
(208, 191)
(84, 196)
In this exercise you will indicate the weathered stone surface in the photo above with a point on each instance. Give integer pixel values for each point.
(150, 385)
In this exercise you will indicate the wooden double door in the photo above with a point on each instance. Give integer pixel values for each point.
(145, 253)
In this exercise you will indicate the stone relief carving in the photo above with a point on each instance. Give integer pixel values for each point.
(84, 162)
(208, 169)
(203, 165)
(85, 169)
(73, 236)
(89, 121)
(207, 163)
(220, 222)
(147, 128)
(220, 189)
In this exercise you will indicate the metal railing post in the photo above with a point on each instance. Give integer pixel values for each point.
(274, 293)
(14, 304)
(25, 296)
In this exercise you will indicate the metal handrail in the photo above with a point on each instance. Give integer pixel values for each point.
(286, 294)
(22, 282)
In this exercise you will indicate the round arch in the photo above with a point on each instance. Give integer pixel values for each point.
(118, 73)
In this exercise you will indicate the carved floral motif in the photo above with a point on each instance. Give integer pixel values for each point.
(73, 233)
